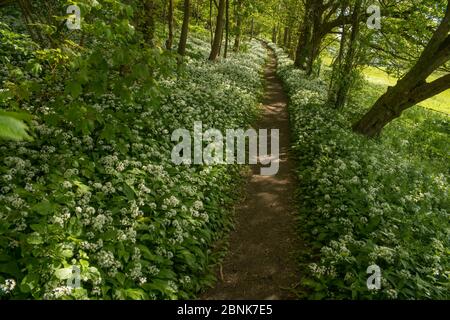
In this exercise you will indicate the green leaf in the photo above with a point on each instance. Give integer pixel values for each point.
(64, 273)
(82, 188)
(43, 208)
(17, 115)
(120, 277)
(167, 274)
(10, 268)
(35, 238)
(36, 69)
(29, 282)
(129, 192)
(158, 285)
(4, 227)
(39, 227)
(4, 257)
(67, 253)
(373, 224)
(140, 71)
(135, 294)
(74, 89)
(13, 129)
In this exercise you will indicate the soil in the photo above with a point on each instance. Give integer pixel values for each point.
(261, 263)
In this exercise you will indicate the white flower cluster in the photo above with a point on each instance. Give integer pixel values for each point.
(58, 293)
(8, 286)
(112, 198)
(366, 202)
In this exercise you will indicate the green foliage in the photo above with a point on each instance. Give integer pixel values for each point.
(85, 147)
(407, 27)
(12, 127)
(366, 202)
(97, 189)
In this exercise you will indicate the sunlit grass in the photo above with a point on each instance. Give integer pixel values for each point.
(379, 77)
(440, 102)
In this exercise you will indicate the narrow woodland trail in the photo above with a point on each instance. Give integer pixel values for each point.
(261, 262)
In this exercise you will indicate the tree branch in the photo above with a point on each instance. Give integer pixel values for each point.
(430, 89)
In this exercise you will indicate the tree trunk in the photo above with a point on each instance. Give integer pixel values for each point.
(413, 87)
(215, 50)
(221, 40)
(237, 39)
(274, 35)
(336, 73)
(149, 22)
(316, 13)
(170, 18)
(280, 34)
(227, 28)
(285, 37)
(197, 12)
(291, 48)
(303, 48)
(211, 27)
(392, 104)
(184, 29)
(316, 25)
(29, 20)
(304, 40)
(313, 52)
(348, 67)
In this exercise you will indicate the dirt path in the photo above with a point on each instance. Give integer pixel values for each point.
(261, 262)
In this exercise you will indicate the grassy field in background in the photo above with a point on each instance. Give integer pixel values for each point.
(376, 76)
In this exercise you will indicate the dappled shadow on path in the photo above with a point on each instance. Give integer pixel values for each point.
(261, 262)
